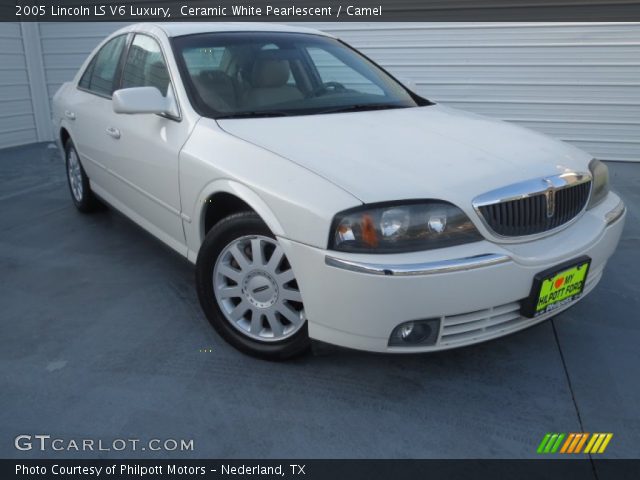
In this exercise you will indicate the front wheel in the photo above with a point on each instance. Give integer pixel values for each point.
(248, 290)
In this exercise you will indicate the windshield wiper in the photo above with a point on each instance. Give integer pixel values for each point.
(255, 114)
(361, 107)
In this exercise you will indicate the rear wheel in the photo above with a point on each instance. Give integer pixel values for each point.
(248, 290)
(81, 194)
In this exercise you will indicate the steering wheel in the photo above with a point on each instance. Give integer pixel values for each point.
(327, 87)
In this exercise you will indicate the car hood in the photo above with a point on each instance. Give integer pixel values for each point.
(411, 153)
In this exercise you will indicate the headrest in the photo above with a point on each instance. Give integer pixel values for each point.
(269, 71)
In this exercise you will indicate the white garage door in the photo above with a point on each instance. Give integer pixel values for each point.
(577, 82)
(17, 120)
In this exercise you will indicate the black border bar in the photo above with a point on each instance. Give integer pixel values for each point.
(557, 468)
(383, 10)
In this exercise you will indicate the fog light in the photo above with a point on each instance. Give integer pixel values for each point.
(406, 330)
(415, 333)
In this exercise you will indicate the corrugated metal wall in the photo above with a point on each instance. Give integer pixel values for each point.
(577, 82)
(17, 121)
(65, 47)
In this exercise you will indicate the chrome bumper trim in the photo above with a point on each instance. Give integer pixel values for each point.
(427, 268)
(615, 213)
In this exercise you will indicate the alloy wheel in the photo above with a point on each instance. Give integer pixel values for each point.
(75, 175)
(256, 289)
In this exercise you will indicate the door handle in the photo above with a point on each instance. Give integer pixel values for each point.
(69, 114)
(113, 132)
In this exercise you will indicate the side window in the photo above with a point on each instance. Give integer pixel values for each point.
(85, 81)
(145, 65)
(99, 75)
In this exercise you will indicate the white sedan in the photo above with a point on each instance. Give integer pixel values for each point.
(321, 198)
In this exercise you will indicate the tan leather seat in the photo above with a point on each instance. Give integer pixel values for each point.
(217, 90)
(269, 77)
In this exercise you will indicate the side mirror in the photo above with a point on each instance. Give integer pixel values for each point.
(144, 100)
(410, 84)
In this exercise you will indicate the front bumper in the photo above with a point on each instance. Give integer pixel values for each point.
(356, 300)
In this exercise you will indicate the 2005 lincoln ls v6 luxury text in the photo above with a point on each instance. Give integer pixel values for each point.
(320, 198)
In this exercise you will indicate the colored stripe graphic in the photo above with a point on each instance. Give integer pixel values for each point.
(592, 441)
(550, 443)
(556, 445)
(598, 443)
(543, 443)
(607, 439)
(581, 442)
(568, 442)
(574, 443)
(577, 439)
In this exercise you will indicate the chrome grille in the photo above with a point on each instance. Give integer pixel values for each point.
(537, 212)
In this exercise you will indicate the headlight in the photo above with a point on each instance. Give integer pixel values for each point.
(406, 227)
(599, 183)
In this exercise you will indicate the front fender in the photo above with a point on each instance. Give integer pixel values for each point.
(241, 191)
(294, 202)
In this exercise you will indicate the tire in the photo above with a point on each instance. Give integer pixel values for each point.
(251, 299)
(79, 187)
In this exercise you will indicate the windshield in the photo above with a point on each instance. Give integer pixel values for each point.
(251, 74)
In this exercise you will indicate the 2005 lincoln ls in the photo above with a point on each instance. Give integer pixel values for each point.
(320, 198)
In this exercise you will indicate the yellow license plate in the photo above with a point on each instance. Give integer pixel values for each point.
(555, 288)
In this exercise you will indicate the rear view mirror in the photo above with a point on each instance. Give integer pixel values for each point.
(143, 100)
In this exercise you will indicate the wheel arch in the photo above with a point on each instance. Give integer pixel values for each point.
(64, 135)
(225, 197)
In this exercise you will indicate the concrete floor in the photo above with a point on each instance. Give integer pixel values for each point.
(101, 332)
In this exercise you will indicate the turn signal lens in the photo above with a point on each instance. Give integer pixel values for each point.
(369, 234)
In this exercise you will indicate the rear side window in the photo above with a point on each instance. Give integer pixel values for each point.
(145, 65)
(100, 74)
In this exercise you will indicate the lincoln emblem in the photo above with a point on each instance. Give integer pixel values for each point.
(550, 195)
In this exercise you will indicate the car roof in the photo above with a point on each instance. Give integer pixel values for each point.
(177, 29)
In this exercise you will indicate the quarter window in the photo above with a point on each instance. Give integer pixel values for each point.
(100, 74)
(145, 65)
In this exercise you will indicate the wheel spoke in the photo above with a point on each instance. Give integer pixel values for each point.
(256, 252)
(293, 295)
(256, 323)
(274, 323)
(237, 313)
(288, 313)
(230, 292)
(240, 257)
(229, 272)
(276, 258)
(286, 276)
